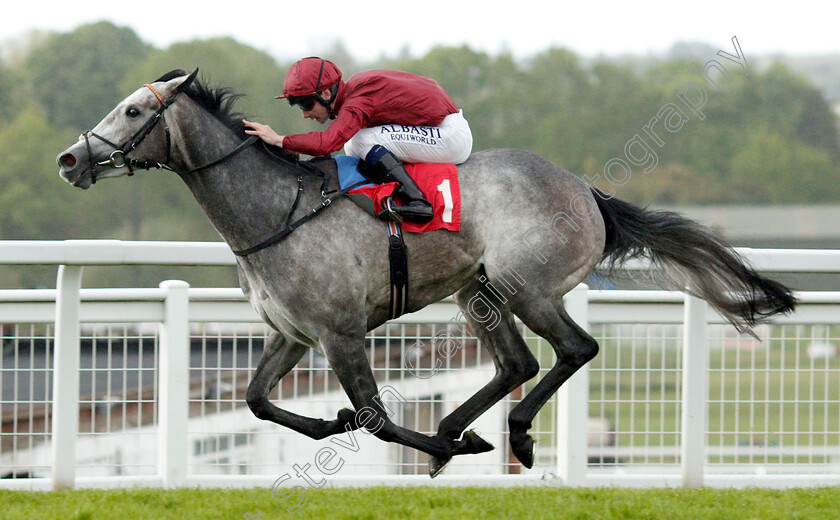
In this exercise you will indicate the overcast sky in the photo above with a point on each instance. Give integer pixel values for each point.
(385, 27)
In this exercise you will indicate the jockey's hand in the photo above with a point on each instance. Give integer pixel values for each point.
(264, 132)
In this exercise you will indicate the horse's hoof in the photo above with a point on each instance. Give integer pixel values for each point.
(475, 444)
(436, 465)
(522, 446)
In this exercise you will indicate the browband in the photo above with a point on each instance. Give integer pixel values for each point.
(155, 92)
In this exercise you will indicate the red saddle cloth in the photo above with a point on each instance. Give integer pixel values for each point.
(439, 182)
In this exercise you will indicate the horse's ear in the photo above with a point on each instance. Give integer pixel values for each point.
(187, 82)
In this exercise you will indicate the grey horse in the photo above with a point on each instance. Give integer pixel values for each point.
(527, 225)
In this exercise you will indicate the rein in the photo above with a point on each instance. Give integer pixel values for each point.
(289, 226)
(119, 159)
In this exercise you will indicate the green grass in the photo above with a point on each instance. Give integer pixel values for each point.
(426, 502)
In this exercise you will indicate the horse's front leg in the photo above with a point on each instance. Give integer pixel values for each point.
(349, 362)
(280, 355)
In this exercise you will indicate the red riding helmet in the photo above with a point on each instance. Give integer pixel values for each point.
(310, 76)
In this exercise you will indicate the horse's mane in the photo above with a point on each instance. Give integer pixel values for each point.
(220, 103)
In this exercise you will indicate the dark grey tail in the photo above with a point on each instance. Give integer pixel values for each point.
(694, 258)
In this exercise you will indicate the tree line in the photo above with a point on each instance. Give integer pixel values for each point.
(768, 137)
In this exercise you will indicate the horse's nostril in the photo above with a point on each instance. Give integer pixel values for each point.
(68, 160)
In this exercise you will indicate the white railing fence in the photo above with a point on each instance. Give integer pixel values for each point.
(117, 387)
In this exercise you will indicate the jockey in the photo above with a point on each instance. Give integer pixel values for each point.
(381, 116)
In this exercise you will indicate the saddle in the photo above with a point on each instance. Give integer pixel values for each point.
(439, 183)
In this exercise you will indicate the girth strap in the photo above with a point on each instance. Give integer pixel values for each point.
(398, 257)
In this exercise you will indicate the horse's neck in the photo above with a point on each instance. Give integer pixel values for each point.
(246, 197)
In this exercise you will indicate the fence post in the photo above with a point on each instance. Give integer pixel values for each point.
(174, 378)
(694, 373)
(65, 398)
(573, 404)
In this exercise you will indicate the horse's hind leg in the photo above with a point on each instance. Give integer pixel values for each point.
(279, 357)
(514, 362)
(574, 348)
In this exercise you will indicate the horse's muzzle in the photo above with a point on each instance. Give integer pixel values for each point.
(71, 171)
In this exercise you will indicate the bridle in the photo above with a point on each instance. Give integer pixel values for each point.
(119, 157)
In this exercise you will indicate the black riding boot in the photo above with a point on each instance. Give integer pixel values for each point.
(387, 168)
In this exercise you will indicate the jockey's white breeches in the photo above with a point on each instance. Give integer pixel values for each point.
(449, 143)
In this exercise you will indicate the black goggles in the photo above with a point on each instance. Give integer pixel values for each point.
(305, 102)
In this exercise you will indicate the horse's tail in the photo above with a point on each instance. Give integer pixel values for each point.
(693, 258)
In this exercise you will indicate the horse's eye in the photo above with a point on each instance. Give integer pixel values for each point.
(132, 112)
